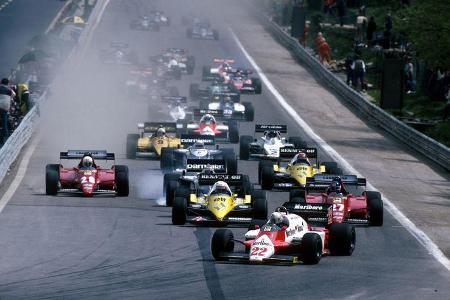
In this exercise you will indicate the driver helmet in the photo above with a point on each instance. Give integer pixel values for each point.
(301, 158)
(336, 185)
(221, 187)
(198, 145)
(87, 161)
(271, 134)
(160, 132)
(277, 219)
(208, 170)
(208, 119)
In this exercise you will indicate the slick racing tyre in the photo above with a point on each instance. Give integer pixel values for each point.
(230, 160)
(297, 142)
(257, 85)
(261, 165)
(331, 168)
(222, 242)
(170, 186)
(193, 91)
(122, 182)
(267, 178)
(244, 147)
(311, 248)
(375, 207)
(249, 111)
(167, 160)
(259, 203)
(132, 140)
(233, 132)
(179, 210)
(342, 239)
(51, 179)
(297, 196)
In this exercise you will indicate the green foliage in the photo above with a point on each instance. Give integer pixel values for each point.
(427, 24)
(441, 133)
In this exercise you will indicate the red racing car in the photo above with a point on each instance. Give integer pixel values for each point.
(87, 178)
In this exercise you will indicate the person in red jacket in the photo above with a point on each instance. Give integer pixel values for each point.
(324, 52)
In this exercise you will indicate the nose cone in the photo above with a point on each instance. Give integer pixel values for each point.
(261, 248)
(220, 206)
(87, 189)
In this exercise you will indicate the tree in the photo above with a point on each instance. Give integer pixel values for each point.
(427, 24)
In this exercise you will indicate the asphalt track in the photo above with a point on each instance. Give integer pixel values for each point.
(20, 21)
(117, 248)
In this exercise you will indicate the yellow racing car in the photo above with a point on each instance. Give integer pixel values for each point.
(151, 139)
(274, 175)
(218, 199)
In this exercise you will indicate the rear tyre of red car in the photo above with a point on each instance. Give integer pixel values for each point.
(51, 179)
(122, 183)
(179, 210)
(375, 207)
(132, 141)
(259, 201)
(244, 147)
(233, 132)
(257, 85)
(267, 177)
(342, 239)
(249, 111)
(311, 248)
(222, 242)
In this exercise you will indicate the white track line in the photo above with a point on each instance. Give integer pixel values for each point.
(390, 207)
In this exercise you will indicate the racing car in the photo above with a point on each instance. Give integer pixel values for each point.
(218, 72)
(176, 57)
(86, 178)
(144, 80)
(201, 29)
(159, 17)
(284, 238)
(153, 137)
(268, 146)
(178, 110)
(231, 110)
(338, 196)
(214, 92)
(145, 23)
(226, 131)
(118, 54)
(218, 199)
(273, 175)
(195, 151)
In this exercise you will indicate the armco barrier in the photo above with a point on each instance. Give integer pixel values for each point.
(435, 151)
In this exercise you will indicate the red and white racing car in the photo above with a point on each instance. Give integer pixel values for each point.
(86, 178)
(285, 238)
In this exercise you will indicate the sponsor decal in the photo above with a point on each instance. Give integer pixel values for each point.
(204, 166)
(308, 207)
(194, 140)
(261, 242)
(238, 219)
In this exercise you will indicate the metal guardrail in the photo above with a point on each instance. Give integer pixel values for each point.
(414, 139)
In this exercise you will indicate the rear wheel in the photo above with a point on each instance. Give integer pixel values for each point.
(51, 179)
(190, 65)
(342, 239)
(297, 196)
(179, 210)
(216, 35)
(375, 207)
(267, 178)
(249, 111)
(331, 167)
(132, 141)
(244, 147)
(233, 132)
(311, 248)
(230, 161)
(122, 181)
(170, 186)
(222, 242)
(261, 165)
(257, 85)
(259, 205)
(193, 90)
(206, 72)
(297, 142)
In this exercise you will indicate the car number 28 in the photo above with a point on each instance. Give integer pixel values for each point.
(86, 179)
(258, 251)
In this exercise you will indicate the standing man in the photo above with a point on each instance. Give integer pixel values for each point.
(359, 70)
(6, 94)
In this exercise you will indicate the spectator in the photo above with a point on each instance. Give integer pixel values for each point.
(371, 28)
(304, 38)
(324, 52)
(319, 39)
(361, 27)
(409, 77)
(348, 69)
(359, 70)
(341, 11)
(6, 94)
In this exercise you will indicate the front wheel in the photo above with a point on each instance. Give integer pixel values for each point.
(222, 242)
(311, 248)
(51, 179)
(267, 178)
(342, 239)
(259, 205)
(179, 210)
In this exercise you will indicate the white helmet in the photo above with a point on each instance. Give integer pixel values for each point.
(276, 218)
(220, 187)
(160, 132)
(87, 162)
(208, 119)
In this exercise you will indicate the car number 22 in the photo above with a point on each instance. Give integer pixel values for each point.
(258, 251)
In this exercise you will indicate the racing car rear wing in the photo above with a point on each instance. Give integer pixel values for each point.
(263, 128)
(198, 165)
(181, 99)
(153, 126)
(291, 152)
(210, 179)
(78, 154)
(311, 212)
(223, 60)
(215, 112)
(189, 139)
(323, 181)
